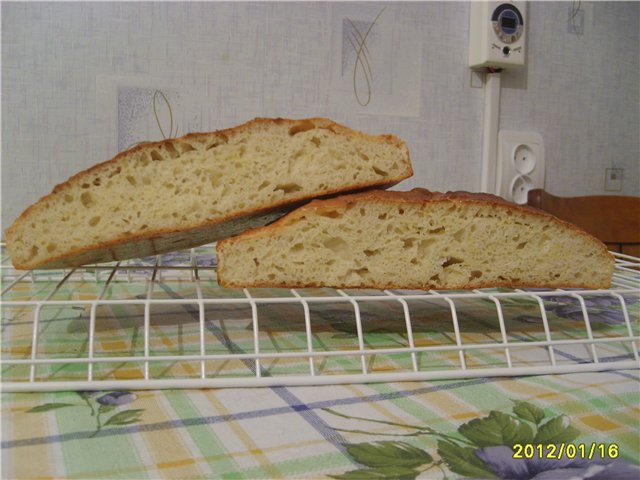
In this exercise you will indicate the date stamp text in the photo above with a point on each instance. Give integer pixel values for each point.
(584, 451)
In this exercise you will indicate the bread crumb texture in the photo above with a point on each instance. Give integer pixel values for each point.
(415, 240)
(180, 192)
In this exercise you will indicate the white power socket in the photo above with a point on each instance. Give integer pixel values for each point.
(520, 164)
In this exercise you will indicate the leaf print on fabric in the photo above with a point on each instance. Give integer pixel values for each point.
(100, 407)
(463, 460)
(382, 454)
(527, 411)
(556, 430)
(497, 429)
(125, 418)
(480, 448)
(49, 406)
(399, 473)
(386, 459)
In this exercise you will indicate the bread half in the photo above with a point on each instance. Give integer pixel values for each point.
(415, 240)
(188, 191)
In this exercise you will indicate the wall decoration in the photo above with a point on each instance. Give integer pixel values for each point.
(151, 114)
(376, 64)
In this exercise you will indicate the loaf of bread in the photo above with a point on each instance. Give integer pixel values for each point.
(183, 192)
(415, 240)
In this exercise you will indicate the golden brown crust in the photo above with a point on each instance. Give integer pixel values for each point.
(221, 224)
(222, 134)
(415, 196)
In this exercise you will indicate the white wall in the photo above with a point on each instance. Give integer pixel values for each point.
(62, 65)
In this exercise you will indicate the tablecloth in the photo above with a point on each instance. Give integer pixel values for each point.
(458, 428)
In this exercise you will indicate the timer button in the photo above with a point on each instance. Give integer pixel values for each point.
(506, 50)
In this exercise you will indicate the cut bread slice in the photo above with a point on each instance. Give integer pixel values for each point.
(415, 240)
(179, 193)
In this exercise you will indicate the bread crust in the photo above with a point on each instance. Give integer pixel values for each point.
(419, 196)
(209, 230)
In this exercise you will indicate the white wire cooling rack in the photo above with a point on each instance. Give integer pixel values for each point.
(163, 322)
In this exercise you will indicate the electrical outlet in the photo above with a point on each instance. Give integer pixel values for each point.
(520, 164)
(613, 179)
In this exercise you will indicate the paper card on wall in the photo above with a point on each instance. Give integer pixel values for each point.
(149, 114)
(376, 61)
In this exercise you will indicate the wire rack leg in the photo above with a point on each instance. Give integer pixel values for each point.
(356, 310)
(587, 325)
(456, 331)
(256, 332)
(307, 327)
(503, 329)
(407, 320)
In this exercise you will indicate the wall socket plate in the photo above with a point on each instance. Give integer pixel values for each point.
(520, 164)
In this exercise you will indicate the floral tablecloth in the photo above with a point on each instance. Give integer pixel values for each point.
(576, 425)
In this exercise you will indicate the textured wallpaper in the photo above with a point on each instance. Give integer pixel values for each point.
(81, 81)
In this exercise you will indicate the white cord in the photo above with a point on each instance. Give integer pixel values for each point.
(490, 133)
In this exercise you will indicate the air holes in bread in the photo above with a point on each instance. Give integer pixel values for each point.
(365, 157)
(87, 199)
(380, 172)
(171, 150)
(360, 271)
(186, 147)
(94, 221)
(423, 246)
(459, 235)
(315, 141)
(331, 214)
(301, 127)
(337, 245)
(288, 188)
(156, 156)
(475, 274)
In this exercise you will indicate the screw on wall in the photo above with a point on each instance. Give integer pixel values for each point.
(613, 179)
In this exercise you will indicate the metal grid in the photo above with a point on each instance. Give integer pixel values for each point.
(31, 299)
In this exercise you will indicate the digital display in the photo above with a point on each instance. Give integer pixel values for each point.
(507, 22)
